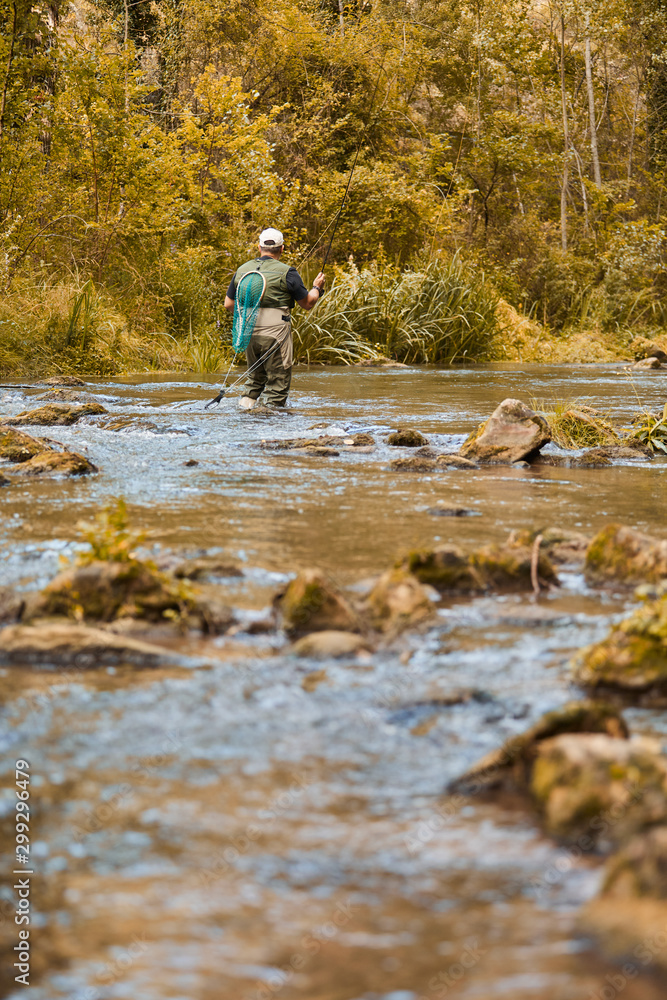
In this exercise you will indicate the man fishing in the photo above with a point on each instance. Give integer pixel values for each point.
(270, 347)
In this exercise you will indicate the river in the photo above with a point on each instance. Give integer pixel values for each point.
(246, 825)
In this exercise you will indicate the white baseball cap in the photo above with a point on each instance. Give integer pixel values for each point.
(270, 238)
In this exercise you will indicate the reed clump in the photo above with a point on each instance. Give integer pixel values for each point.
(440, 314)
(576, 426)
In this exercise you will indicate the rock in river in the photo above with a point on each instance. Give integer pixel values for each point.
(491, 567)
(513, 432)
(399, 601)
(63, 463)
(312, 603)
(624, 555)
(67, 644)
(107, 590)
(407, 438)
(56, 414)
(330, 643)
(15, 446)
(629, 917)
(632, 659)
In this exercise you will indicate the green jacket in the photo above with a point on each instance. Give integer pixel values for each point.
(276, 294)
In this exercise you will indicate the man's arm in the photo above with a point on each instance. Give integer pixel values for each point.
(313, 296)
(229, 303)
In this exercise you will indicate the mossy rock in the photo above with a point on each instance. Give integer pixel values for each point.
(632, 659)
(493, 567)
(312, 603)
(510, 765)
(599, 787)
(508, 567)
(108, 590)
(404, 437)
(398, 601)
(67, 380)
(56, 415)
(446, 567)
(624, 555)
(560, 544)
(62, 463)
(15, 446)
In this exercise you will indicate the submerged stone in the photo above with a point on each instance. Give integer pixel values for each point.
(512, 433)
(330, 643)
(74, 646)
(624, 555)
(312, 603)
(56, 414)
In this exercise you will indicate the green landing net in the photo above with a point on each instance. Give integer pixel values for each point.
(249, 293)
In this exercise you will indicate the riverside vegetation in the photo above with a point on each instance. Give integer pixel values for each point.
(508, 201)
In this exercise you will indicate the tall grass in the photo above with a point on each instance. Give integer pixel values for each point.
(441, 314)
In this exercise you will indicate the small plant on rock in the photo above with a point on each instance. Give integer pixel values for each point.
(650, 429)
(109, 536)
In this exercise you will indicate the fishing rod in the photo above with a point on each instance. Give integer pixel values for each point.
(224, 388)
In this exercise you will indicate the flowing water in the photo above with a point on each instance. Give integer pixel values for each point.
(247, 825)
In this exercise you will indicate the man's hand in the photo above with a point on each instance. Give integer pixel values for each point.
(313, 296)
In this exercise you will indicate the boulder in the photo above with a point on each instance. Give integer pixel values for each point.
(51, 645)
(4, 481)
(108, 590)
(647, 364)
(399, 601)
(406, 438)
(413, 464)
(623, 555)
(599, 787)
(454, 462)
(15, 446)
(592, 458)
(12, 605)
(512, 433)
(324, 441)
(70, 380)
(510, 766)
(559, 544)
(210, 612)
(63, 463)
(55, 414)
(330, 644)
(311, 603)
(505, 567)
(632, 660)
(629, 916)
(642, 347)
(206, 566)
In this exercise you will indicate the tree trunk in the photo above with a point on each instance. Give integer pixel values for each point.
(341, 18)
(566, 140)
(591, 111)
(10, 60)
